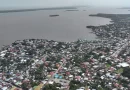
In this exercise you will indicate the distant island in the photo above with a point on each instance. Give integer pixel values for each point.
(54, 15)
(125, 8)
(37, 9)
(72, 10)
(20, 10)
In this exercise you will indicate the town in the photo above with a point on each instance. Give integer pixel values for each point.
(101, 64)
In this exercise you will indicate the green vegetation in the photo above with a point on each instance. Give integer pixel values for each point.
(100, 88)
(108, 65)
(24, 86)
(126, 72)
(39, 73)
(75, 85)
(34, 83)
(51, 87)
(119, 71)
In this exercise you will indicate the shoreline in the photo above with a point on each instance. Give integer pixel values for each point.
(116, 19)
(37, 9)
(103, 15)
(91, 63)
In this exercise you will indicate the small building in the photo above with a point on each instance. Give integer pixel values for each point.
(123, 64)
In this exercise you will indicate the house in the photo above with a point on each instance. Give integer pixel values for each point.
(124, 64)
(78, 78)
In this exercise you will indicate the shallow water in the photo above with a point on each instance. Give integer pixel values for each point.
(69, 26)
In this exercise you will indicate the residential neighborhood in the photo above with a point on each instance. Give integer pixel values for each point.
(40, 64)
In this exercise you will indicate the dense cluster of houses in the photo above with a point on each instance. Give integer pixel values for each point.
(34, 63)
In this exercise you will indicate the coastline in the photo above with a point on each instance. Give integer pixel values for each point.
(97, 61)
(116, 19)
(37, 9)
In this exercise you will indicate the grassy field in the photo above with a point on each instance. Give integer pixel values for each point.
(119, 71)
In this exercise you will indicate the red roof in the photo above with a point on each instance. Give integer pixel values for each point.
(16, 89)
(77, 77)
(67, 73)
(51, 73)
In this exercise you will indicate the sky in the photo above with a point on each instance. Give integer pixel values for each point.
(59, 3)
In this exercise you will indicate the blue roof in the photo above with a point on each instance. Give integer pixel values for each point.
(60, 77)
(56, 75)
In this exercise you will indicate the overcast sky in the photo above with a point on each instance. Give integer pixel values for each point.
(55, 3)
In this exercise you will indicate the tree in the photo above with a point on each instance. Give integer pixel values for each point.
(50, 87)
(74, 85)
(126, 72)
(124, 82)
(39, 74)
(100, 88)
(32, 83)
(24, 86)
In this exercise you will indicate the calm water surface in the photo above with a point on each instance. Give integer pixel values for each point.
(69, 26)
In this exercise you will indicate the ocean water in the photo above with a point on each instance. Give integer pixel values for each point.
(68, 26)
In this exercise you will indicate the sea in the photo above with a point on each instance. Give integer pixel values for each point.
(68, 26)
